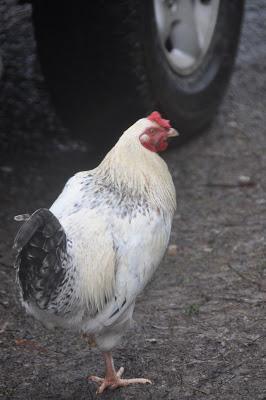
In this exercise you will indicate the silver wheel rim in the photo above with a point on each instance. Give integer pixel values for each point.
(185, 29)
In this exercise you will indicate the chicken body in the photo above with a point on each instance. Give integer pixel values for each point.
(82, 265)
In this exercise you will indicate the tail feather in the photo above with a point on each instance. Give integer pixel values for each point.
(41, 217)
(21, 217)
(41, 247)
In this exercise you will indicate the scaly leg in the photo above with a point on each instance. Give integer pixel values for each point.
(112, 378)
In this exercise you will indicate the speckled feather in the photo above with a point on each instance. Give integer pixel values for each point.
(116, 222)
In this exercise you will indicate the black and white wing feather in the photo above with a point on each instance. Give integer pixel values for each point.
(41, 249)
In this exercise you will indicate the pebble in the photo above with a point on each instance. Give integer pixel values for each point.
(172, 250)
(232, 124)
(152, 340)
(244, 179)
(6, 168)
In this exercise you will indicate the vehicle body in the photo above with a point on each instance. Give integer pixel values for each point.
(129, 57)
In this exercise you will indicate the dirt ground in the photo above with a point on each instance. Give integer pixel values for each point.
(200, 328)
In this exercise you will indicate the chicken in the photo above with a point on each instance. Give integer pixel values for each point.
(81, 264)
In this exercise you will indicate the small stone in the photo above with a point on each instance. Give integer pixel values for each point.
(232, 124)
(152, 340)
(261, 201)
(244, 179)
(172, 250)
(6, 168)
(207, 249)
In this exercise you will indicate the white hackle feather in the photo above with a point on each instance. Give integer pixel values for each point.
(130, 165)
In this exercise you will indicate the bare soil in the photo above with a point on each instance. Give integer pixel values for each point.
(200, 328)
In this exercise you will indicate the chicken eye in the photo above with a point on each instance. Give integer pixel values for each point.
(145, 138)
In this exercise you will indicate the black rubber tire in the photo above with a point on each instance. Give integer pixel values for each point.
(104, 66)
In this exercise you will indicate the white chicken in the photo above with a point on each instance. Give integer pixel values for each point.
(81, 264)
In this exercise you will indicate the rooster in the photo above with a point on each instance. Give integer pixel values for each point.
(82, 263)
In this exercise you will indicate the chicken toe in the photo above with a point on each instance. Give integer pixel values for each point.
(115, 382)
(112, 378)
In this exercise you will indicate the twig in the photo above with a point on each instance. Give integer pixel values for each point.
(227, 380)
(200, 391)
(258, 284)
(240, 300)
(230, 185)
(3, 327)
(253, 341)
(30, 344)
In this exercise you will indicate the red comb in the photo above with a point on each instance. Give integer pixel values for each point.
(156, 117)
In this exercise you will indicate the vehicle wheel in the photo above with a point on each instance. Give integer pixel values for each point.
(108, 63)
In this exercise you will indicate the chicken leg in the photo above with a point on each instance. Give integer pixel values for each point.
(112, 378)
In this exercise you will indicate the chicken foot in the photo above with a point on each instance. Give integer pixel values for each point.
(112, 378)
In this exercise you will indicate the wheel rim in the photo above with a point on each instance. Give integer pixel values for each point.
(185, 29)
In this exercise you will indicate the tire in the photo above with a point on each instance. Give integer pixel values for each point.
(105, 66)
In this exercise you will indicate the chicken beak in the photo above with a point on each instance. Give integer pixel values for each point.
(172, 133)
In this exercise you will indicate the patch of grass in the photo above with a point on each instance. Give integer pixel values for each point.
(192, 309)
(187, 280)
(7, 392)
